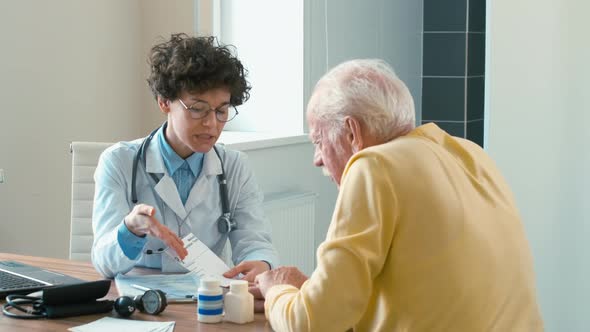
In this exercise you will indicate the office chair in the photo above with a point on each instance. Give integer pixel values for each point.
(84, 160)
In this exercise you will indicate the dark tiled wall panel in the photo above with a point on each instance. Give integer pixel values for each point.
(448, 15)
(444, 54)
(477, 15)
(443, 99)
(453, 128)
(475, 98)
(454, 66)
(476, 49)
(475, 131)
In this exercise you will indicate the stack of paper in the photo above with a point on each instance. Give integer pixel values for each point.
(127, 325)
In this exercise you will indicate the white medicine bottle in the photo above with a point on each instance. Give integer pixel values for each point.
(239, 303)
(210, 301)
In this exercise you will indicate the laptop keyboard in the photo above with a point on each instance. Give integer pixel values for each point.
(9, 281)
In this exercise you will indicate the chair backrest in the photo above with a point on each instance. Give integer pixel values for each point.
(84, 160)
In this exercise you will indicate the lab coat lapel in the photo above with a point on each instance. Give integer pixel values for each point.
(168, 193)
(202, 188)
(166, 188)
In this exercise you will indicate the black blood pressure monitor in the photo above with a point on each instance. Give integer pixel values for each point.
(152, 302)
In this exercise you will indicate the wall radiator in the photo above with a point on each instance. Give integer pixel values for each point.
(292, 218)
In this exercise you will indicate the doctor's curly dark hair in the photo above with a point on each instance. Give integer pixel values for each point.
(196, 64)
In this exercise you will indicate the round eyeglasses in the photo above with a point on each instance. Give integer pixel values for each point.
(201, 109)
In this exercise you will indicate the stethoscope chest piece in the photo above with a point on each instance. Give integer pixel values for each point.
(225, 224)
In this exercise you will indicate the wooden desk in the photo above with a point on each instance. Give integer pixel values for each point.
(184, 314)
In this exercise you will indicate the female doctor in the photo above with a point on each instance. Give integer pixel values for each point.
(153, 191)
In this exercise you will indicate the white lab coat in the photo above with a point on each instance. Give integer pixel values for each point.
(112, 202)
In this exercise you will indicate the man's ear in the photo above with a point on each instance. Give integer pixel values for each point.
(164, 104)
(355, 134)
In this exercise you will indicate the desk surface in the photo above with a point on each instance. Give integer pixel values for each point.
(184, 314)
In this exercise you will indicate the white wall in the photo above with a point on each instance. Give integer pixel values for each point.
(340, 30)
(290, 168)
(537, 108)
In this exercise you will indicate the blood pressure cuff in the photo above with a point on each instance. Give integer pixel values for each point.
(60, 301)
(79, 309)
(76, 299)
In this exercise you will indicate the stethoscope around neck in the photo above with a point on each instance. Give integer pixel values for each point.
(225, 223)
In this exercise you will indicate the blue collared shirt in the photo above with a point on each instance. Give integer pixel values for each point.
(184, 172)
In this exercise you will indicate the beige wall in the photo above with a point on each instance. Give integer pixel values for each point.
(69, 71)
(159, 19)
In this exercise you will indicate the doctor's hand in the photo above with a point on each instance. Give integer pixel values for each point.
(250, 269)
(141, 222)
(284, 275)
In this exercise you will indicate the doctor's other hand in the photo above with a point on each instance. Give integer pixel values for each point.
(250, 269)
(141, 222)
(284, 275)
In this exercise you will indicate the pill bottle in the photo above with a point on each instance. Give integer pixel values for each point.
(210, 301)
(239, 303)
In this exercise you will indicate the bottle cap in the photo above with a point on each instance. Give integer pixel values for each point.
(209, 283)
(238, 286)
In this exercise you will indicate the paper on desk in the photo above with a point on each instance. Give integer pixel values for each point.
(176, 286)
(201, 260)
(127, 325)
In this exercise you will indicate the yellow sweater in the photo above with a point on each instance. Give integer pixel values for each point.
(425, 236)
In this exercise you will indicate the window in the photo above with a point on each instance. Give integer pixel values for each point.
(268, 36)
(288, 45)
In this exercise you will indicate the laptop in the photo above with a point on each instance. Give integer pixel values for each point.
(19, 278)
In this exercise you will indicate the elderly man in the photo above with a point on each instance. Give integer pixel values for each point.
(425, 234)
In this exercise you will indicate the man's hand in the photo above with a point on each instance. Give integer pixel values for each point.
(250, 269)
(140, 221)
(258, 298)
(284, 275)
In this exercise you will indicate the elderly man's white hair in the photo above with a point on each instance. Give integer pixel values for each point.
(368, 90)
